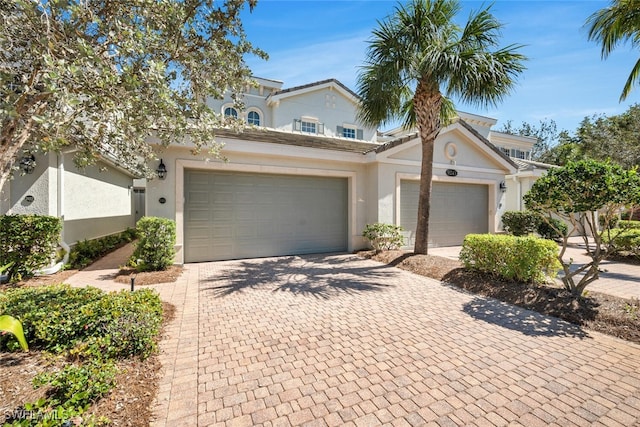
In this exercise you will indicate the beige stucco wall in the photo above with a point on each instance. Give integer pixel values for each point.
(252, 157)
(97, 201)
(94, 202)
(454, 149)
(41, 185)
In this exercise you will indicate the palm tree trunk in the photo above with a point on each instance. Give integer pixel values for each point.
(427, 102)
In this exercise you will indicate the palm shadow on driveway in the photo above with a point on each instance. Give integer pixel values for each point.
(519, 319)
(320, 276)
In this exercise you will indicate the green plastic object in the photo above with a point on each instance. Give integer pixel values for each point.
(14, 326)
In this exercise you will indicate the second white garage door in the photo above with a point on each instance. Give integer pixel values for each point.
(456, 210)
(232, 215)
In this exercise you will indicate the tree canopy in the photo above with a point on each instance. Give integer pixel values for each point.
(579, 193)
(103, 77)
(417, 59)
(616, 138)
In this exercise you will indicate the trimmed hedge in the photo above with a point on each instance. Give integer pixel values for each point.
(156, 240)
(28, 242)
(525, 259)
(87, 251)
(520, 223)
(628, 224)
(383, 237)
(556, 230)
(624, 239)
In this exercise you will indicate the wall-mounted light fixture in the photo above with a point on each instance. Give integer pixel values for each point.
(162, 170)
(503, 186)
(28, 163)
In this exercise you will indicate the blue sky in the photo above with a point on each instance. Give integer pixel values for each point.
(565, 80)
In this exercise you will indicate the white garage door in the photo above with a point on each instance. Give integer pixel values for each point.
(240, 215)
(456, 210)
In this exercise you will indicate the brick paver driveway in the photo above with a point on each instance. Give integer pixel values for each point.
(337, 340)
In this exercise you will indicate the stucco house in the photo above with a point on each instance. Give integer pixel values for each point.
(93, 202)
(307, 176)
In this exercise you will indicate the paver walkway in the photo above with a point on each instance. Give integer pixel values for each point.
(338, 340)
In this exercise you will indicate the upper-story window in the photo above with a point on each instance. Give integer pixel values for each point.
(349, 131)
(231, 112)
(253, 118)
(308, 125)
(516, 153)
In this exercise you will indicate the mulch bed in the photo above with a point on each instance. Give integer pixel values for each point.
(169, 275)
(611, 315)
(128, 403)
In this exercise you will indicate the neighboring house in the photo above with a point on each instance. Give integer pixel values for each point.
(93, 202)
(308, 176)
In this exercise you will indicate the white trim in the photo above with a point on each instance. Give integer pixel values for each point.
(486, 150)
(400, 176)
(331, 85)
(230, 105)
(182, 164)
(232, 145)
(254, 110)
(442, 166)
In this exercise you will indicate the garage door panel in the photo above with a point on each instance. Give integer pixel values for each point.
(254, 215)
(456, 210)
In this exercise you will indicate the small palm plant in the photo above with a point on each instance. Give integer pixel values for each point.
(9, 324)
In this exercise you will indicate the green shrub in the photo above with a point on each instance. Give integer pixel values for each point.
(156, 240)
(525, 259)
(383, 237)
(87, 251)
(86, 321)
(554, 230)
(628, 224)
(624, 239)
(613, 221)
(29, 242)
(89, 328)
(520, 223)
(626, 215)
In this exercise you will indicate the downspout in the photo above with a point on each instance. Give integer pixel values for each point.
(60, 205)
(60, 214)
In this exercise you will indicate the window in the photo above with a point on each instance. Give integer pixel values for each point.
(506, 151)
(253, 118)
(349, 133)
(309, 127)
(230, 112)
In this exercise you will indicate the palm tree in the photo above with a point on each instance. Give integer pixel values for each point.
(417, 59)
(617, 24)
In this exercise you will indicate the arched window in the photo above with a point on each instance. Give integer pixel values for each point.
(231, 112)
(253, 118)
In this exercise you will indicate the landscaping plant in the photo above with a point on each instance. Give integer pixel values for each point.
(90, 330)
(582, 194)
(520, 223)
(156, 240)
(383, 237)
(87, 251)
(521, 258)
(27, 243)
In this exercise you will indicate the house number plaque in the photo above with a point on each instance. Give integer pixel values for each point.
(451, 172)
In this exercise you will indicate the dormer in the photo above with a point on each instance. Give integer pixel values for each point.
(515, 146)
